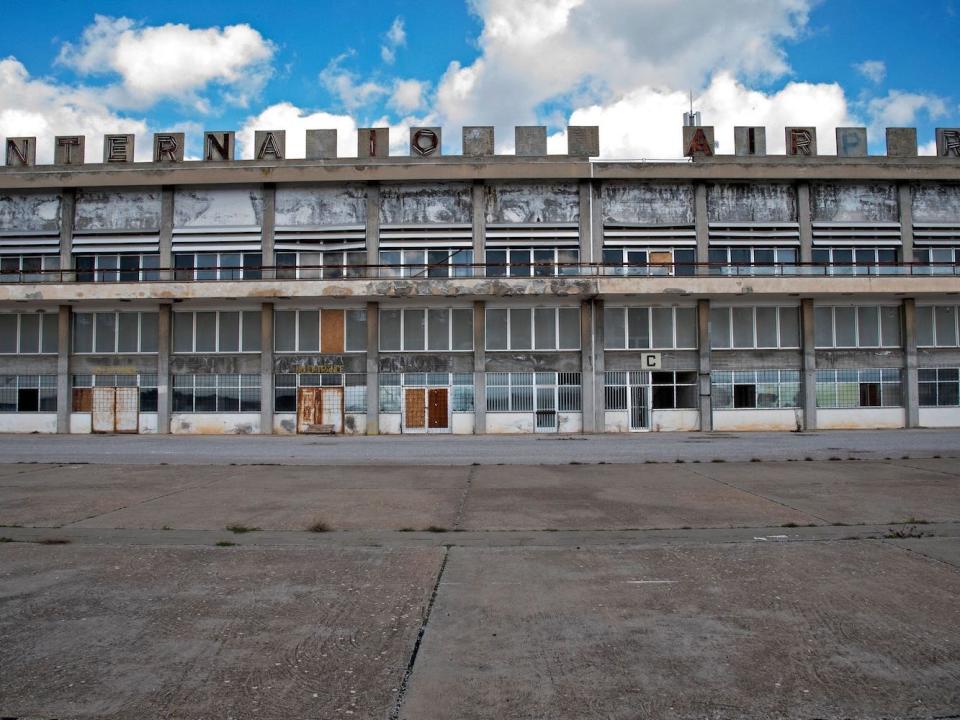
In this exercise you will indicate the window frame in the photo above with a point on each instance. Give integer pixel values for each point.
(533, 328)
(116, 333)
(426, 329)
(216, 333)
(41, 333)
(856, 326)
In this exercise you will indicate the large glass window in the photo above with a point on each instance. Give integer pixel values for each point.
(939, 387)
(532, 262)
(632, 261)
(216, 331)
(30, 268)
(227, 393)
(940, 260)
(550, 328)
(28, 333)
(755, 389)
(754, 327)
(28, 393)
(218, 266)
(752, 260)
(117, 268)
(426, 262)
(937, 325)
(533, 392)
(354, 389)
(419, 329)
(115, 332)
(850, 326)
(645, 328)
(865, 387)
(856, 260)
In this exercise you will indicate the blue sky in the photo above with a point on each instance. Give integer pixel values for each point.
(625, 65)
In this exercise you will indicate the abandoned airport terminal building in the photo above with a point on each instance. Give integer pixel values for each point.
(480, 293)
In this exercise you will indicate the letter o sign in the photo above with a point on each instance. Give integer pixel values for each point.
(425, 141)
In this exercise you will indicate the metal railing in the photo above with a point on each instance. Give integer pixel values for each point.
(466, 271)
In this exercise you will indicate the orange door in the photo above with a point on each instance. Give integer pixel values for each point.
(437, 408)
(414, 406)
(308, 407)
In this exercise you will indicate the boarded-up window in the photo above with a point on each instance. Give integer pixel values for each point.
(331, 331)
(83, 399)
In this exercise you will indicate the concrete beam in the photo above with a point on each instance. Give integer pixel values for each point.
(596, 221)
(266, 368)
(164, 346)
(911, 387)
(64, 384)
(479, 367)
(703, 373)
(808, 384)
(373, 368)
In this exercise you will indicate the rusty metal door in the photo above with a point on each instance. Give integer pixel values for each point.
(116, 409)
(414, 409)
(308, 408)
(331, 408)
(438, 414)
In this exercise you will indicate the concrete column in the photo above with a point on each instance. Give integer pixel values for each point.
(373, 367)
(266, 368)
(587, 369)
(479, 227)
(911, 388)
(479, 367)
(906, 221)
(373, 239)
(805, 223)
(703, 343)
(586, 225)
(808, 383)
(166, 231)
(702, 223)
(64, 384)
(164, 396)
(68, 205)
(599, 368)
(267, 228)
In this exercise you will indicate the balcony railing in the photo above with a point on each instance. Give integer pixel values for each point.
(494, 271)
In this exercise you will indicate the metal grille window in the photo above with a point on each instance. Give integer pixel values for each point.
(754, 327)
(27, 268)
(426, 329)
(753, 389)
(117, 268)
(937, 325)
(647, 328)
(391, 393)
(527, 392)
(217, 266)
(354, 389)
(633, 261)
(864, 326)
(751, 260)
(216, 331)
(28, 333)
(549, 328)
(216, 393)
(873, 387)
(939, 387)
(115, 332)
(147, 383)
(532, 262)
(463, 392)
(672, 390)
(28, 393)
(856, 260)
(426, 262)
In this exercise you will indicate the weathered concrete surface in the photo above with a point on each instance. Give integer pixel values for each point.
(825, 630)
(213, 632)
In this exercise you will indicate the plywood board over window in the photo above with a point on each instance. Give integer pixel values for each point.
(331, 331)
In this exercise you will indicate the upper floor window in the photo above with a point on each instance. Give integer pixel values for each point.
(645, 328)
(416, 329)
(117, 268)
(754, 327)
(856, 260)
(329, 330)
(217, 266)
(115, 332)
(865, 326)
(532, 262)
(225, 331)
(28, 333)
(29, 268)
(937, 325)
(331, 265)
(649, 261)
(752, 260)
(423, 262)
(543, 328)
(942, 260)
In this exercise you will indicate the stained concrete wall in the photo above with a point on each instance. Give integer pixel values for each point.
(199, 207)
(114, 210)
(532, 203)
(183, 364)
(292, 362)
(28, 422)
(631, 360)
(938, 202)
(513, 361)
(760, 419)
(390, 362)
(321, 205)
(412, 204)
(29, 212)
(939, 417)
(648, 203)
(854, 202)
(852, 359)
(860, 418)
(752, 202)
(756, 359)
(214, 423)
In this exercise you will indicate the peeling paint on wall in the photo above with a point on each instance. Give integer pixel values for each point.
(424, 204)
(322, 205)
(847, 202)
(29, 212)
(118, 210)
(751, 202)
(648, 203)
(425, 362)
(532, 203)
(203, 207)
(936, 203)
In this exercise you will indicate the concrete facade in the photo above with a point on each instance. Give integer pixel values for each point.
(485, 293)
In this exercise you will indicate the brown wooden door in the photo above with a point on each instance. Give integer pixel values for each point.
(308, 407)
(437, 408)
(414, 406)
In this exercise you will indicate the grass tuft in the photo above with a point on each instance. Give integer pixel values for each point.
(240, 529)
(53, 541)
(224, 543)
(318, 526)
(435, 529)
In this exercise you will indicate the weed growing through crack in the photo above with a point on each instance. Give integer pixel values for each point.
(53, 541)
(901, 533)
(915, 521)
(224, 543)
(790, 524)
(318, 526)
(240, 529)
(435, 529)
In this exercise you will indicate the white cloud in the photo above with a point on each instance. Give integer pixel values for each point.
(395, 37)
(596, 51)
(172, 61)
(296, 121)
(44, 109)
(346, 86)
(408, 95)
(646, 122)
(898, 108)
(873, 70)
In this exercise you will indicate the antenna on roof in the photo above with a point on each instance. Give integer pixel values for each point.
(691, 119)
